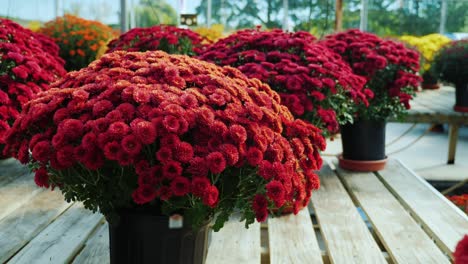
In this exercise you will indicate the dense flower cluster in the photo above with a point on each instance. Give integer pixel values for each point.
(451, 62)
(313, 82)
(210, 34)
(427, 46)
(79, 39)
(170, 39)
(27, 66)
(460, 201)
(461, 251)
(168, 130)
(389, 68)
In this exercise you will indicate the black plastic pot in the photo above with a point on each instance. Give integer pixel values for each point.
(144, 238)
(461, 97)
(363, 140)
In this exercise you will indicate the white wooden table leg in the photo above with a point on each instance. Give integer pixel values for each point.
(453, 137)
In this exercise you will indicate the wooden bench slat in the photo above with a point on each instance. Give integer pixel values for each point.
(17, 228)
(96, 250)
(11, 169)
(400, 234)
(234, 244)
(17, 193)
(346, 236)
(62, 239)
(292, 239)
(447, 226)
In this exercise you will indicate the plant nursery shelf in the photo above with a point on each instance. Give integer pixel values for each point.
(436, 106)
(392, 216)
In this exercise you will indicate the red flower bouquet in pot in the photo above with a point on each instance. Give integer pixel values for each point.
(391, 73)
(151, 133)
(313, 82)
(27, 66)
(170, 39)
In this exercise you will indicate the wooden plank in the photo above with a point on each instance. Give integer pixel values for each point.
(234, 244)
(62, 239)
(11, 169)
(16, 193)
(453, 138)
(96, 250)
(346, 236)
(292, 239)
(20, 226)
(400, 234)
(442, 220)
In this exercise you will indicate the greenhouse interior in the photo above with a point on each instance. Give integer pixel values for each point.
(249, 131)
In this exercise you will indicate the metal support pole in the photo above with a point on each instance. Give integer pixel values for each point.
(56, 3)
(338, 15)
(443, 16)
(208, 14)
(285, 15)
(123, 16)
(363, 22)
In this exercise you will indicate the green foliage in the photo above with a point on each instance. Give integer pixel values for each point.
(385, 17)
(150, 13)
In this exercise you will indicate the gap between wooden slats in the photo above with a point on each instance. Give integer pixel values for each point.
(345, 234)
(61, 240)
(235, 244)
(446, 227)
(23, 224)
(400, 234)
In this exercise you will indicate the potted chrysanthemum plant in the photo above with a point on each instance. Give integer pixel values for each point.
(390, 70)
(313, 82)
(170, 39)
(451, 65)
(28, 63)
(427, 47)
(142, 136)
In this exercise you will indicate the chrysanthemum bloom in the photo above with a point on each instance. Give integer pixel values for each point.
(313, 82)
(28, 63)
(138, 129)
(79, 39)
(170, 39)
(389, 68)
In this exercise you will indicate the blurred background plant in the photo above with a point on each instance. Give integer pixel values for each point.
(211, 34)
(79, 39)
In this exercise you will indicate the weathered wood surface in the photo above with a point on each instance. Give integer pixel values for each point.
(403, 220)
(402, 237)
(62, 239)
(346, 235)
(234, 244)
(96, 250)
(292, 239)
(435, 106)
(442, 220)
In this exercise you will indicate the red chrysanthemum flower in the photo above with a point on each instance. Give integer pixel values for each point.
(41, 177)
(216, 162)
(131, 145)
(144, 194)
(210, 197)
(180, 186)
(200, 186)
(275, 192)
(461, 251)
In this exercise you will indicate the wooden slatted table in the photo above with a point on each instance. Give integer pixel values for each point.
(436, 106)
(392, 216)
